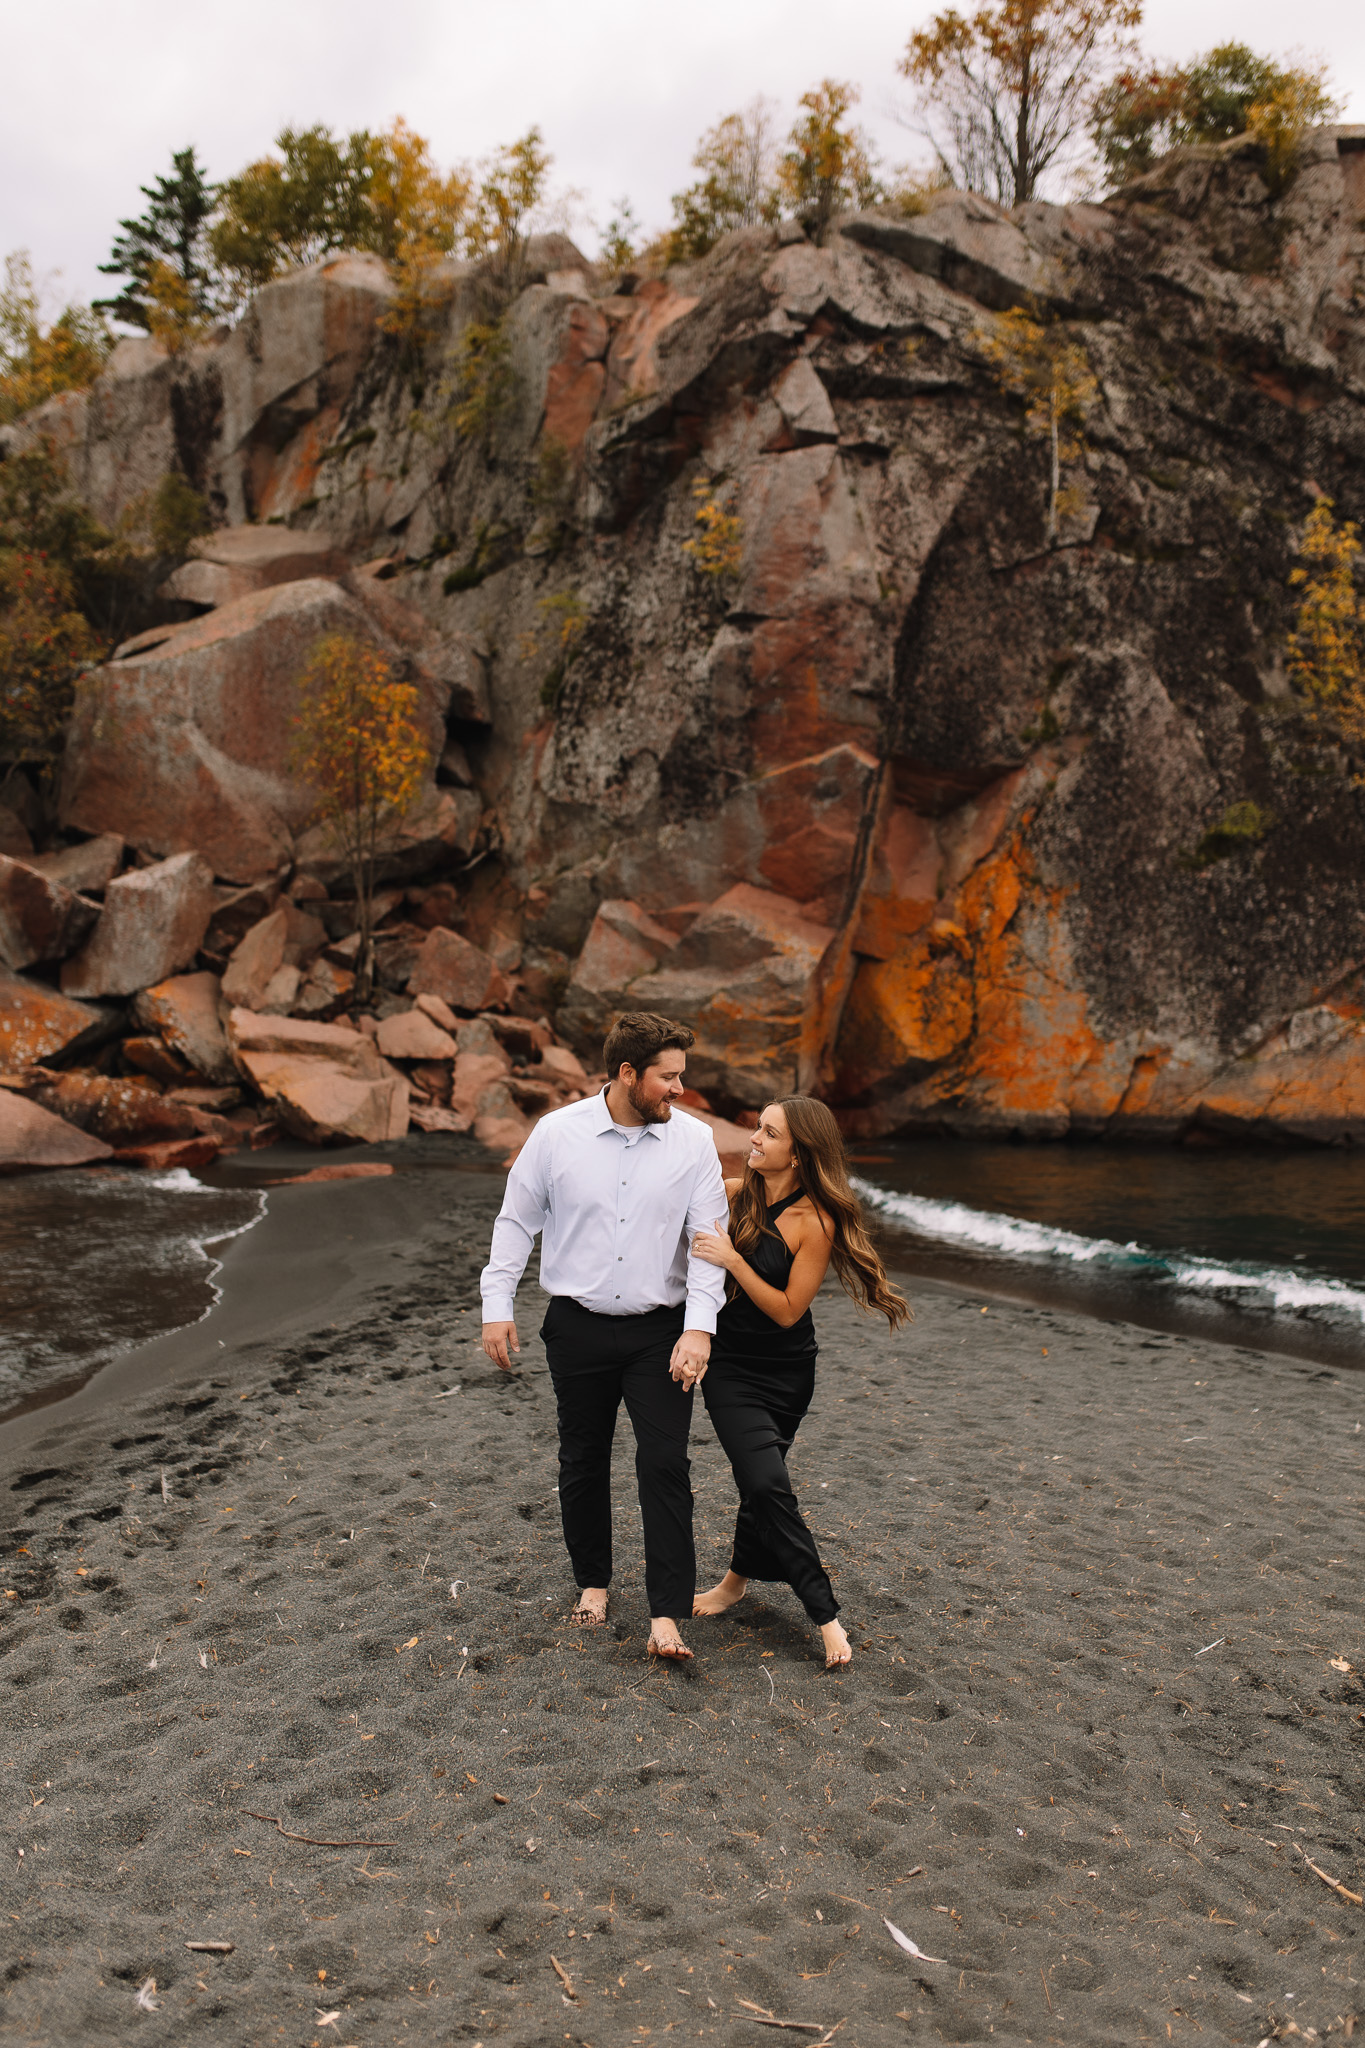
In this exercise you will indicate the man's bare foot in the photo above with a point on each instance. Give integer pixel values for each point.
(730, 1589)
(665, 1642)
(838, 1648)
(591, 1610)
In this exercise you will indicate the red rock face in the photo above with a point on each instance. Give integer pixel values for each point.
(462, 975)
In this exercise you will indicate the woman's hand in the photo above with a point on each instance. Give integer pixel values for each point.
(713, 1248)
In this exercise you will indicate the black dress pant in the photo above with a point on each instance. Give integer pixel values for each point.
(756, 1414)
(596, 1362)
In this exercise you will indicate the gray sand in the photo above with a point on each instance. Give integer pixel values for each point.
(350, 1616)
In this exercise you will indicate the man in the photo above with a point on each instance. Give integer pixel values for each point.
(618, 1185)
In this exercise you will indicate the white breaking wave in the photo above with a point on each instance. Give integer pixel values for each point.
(1268, 1287)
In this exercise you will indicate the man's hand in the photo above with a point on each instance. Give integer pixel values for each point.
(691, 1356)
(498, 1340)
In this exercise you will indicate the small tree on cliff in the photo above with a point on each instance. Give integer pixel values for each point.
(167, 241)
(360, 742)
(737, 188)
(827, 165)
(1040, 363)
(1327, 644)
(1006, 92)
(40, 357)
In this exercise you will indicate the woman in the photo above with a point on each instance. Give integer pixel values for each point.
(791, 1215)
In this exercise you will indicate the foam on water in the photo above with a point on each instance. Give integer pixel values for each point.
(1275, 1290)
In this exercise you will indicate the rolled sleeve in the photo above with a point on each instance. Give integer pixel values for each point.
(705, 1284)
(525, 1206)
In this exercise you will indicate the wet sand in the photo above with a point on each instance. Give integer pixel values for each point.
(1095, 1577)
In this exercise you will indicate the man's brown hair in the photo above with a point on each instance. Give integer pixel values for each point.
(637, 1039)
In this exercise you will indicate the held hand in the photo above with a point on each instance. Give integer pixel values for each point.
(713, 1247)
(691, 1356)
(498, 1340)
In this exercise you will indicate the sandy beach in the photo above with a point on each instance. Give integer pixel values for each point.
(286, 1666)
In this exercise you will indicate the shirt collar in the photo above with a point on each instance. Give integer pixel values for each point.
(605, 1121)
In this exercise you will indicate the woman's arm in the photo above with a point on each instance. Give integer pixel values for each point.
(809, 1266)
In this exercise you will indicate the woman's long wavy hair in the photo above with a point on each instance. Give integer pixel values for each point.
(822, 1171)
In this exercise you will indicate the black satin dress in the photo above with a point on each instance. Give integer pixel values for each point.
(757, 1389)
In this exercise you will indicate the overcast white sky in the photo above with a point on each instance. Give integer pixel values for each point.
(97, 96)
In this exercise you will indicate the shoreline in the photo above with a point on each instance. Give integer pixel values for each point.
(1106, 1676)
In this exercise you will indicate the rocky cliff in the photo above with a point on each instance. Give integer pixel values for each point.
(902, 803)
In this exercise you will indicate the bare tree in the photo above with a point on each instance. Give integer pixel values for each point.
(1006, 92)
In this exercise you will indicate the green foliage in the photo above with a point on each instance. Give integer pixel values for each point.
(827, 165)
(178, 514)
(36, 359)
(45, 642)
(1040, 363)
(621, 241)
(483, 384)
(359, 740)
(1327, 645)
(168, 237)
(1242, 824)
(716, 549)
(1141, 114)
(737, 187)
(511, 185)
(565, 620)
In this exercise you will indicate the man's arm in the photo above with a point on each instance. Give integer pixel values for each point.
(705, 1284)
(525, 1205)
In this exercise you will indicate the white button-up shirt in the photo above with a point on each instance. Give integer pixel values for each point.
(617, 1205)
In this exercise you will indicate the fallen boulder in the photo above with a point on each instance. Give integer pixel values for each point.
(321, 1101)
(623, 943)
(744, 976)
(184, 741)
(152, 924)
(412, 1035)
(265, 970)
(184, 1153)
(40, 918)
(463, 976)
(31, 1137)
(121, 1111)
(240, 559)
(36, 1024)
(301, 1038)
(184, 1011)
(91, 866)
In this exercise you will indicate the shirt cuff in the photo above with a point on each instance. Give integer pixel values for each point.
(700, 1314)
(499, 1308)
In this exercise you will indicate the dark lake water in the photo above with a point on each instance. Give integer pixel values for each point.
(1246, 1246)
(1265, 1248)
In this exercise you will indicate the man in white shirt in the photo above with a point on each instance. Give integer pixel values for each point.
(619, 1185)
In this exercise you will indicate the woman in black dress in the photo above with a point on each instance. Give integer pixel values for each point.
(791, 1216)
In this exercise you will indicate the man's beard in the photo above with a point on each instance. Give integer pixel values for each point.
(648, 1112)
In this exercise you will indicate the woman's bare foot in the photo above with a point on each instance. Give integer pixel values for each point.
(665, 1642)
(591, 1610)
(730, 1589)
(838, 1648)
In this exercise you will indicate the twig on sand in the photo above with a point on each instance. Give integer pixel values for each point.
(1210, 1646)
(1354, 1897)
(762, 2017)
(316, 1841)
(1046, 1993)
(212, 1948)
(565, 1979)
(772, 1689)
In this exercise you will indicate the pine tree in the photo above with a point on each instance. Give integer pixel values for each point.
(168, 236)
